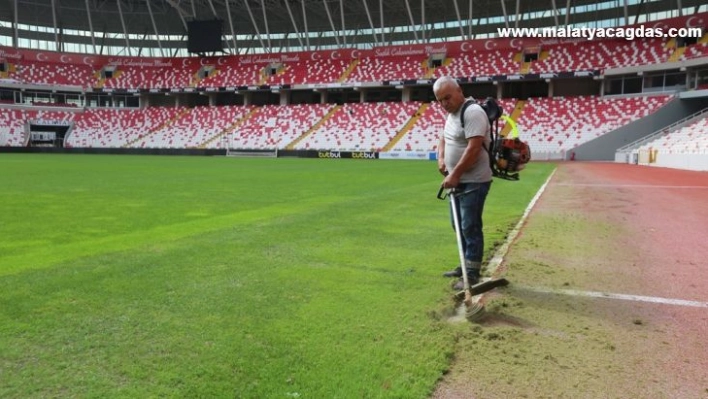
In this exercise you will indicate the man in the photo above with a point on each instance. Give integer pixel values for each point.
(464, 161)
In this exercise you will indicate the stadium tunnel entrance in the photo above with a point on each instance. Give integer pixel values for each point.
(47, 133)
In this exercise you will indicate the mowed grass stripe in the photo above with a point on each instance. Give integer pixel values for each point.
(66, 209)
(46, 255)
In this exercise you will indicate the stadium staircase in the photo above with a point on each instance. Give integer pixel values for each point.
(314, 127)
(11, 68)
(345, 75)
(100, 82)
(264, 76)
(678, 51)
(676, 55)
(515, 116)
(116, 75)
(229, 128)
(157, 128)
(195, 79)
(430, 71)
(526, 66)
(407, 127)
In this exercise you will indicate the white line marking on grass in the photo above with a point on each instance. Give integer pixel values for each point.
(624, 297)
(630, 186)
(501, 252)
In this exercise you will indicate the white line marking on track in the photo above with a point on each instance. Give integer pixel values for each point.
(630, 186)
(501, 252)
(624, 297)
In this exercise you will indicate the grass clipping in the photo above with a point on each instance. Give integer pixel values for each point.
(466, 309)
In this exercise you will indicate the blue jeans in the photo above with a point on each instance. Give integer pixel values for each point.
(470, 202)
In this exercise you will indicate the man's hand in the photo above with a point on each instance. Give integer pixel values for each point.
(441, 167)
(451, 181)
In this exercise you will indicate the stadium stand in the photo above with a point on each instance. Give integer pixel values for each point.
(334, 121)
(276, 126)
(12, 127)
(481, 63)
(15, 123)
(193, 127)
(361, 126)
(114, 128)
(142, 77)
(377, 69)
(689, 139)
(425, 133)
(54, 74)
(311, 72)
(231, 74)
(585, 55)
(697, 50)
(553, 125)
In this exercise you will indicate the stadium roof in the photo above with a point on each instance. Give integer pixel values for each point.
(288, 25)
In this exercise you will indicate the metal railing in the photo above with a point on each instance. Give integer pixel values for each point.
(653, 136)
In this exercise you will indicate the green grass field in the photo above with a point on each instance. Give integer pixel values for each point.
(141, 276)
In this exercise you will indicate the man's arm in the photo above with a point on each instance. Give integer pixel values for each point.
(441, 155)
(469, 158)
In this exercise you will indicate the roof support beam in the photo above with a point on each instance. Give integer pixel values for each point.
(383, 27)
(125, 31)
(292, 19)
(231, 27)
(213, 10)
(410, 17)
(422, 20)
(555, 12)
(459, 18)
(15, 30)
(518, 14)
(506, 16)
(180, 12)
(176, 50)
(471, 19)
(341, 16)
(90, 21)
(304, 19)
(331, 22)
(141, 48)
(57, 47)
(639, 11)
(154, 27)
(253, 21)
(626, 12)
(265, 22)
(567, 13)
(371, 22)
(103, 41)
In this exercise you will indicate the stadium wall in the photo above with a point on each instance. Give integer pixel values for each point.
(328, 154)
(604, 147)
(698, 162)
(114, 151)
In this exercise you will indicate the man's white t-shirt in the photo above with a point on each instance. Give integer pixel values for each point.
(476, 124)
